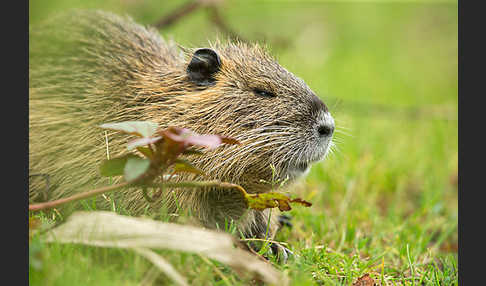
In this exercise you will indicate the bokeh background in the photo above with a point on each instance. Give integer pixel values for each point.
(385, 201)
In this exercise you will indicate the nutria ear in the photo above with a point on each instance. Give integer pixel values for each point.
(204, 64)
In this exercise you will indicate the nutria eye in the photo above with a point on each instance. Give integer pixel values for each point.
(263, 93)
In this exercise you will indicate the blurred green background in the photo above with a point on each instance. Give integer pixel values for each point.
(388, 72)
(384, 59)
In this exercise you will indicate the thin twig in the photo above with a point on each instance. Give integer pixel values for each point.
(95, 192)
(77, 197)
(176, 15)
(191, 6)
(217, 20)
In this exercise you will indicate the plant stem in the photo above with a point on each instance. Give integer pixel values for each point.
(77, 197)
(92, 193)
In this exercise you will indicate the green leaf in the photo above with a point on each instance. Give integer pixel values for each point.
(114, 166)
(135, 167)
(272, 200)
(260, 202)
(146, 151)
(185, 166)
(138, 128)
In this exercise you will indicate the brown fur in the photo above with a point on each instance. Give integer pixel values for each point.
(91, 67)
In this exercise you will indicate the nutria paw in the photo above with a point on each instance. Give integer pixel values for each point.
(277, 250)
(285, 220)
(282, 252)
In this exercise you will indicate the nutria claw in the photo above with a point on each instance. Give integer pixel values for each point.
(282, 252)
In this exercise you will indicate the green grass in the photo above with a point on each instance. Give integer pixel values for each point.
(385, 202)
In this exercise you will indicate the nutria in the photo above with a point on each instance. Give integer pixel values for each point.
(92, 67)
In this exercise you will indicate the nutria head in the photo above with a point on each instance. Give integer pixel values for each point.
(238, 90)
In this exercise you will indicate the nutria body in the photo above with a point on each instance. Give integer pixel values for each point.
(91, 67)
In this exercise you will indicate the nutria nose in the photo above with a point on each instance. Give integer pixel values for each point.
(325, 125)
(325, 130)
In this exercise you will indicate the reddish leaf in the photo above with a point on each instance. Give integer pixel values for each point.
(176, 134)
(301, 201)
(284, 205)
(189, 138)
(173, 144)
(208, 141)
